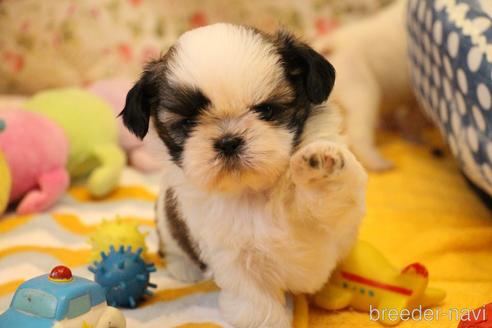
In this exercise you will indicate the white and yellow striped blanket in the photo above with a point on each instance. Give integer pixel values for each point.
(32, 245)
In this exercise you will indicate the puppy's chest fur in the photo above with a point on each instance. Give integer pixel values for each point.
(261, 234)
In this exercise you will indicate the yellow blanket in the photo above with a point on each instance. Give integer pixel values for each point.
(425, 212)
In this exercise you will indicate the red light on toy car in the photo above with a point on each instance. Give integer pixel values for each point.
(61, 273)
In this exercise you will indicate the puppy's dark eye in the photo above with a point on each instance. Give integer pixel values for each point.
(266, 110)
(186, 123)
(182, 127)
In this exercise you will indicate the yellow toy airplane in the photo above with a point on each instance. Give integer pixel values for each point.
(365, 280)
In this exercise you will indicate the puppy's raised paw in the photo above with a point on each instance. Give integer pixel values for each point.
(317, 162)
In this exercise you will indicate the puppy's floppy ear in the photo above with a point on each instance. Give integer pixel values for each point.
(305, 67)
(139, 102)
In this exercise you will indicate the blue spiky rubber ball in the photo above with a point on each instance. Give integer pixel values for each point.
(124, 275)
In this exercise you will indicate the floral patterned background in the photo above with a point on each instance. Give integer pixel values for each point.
(53, 43)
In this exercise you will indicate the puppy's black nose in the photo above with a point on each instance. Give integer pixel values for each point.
(229, 145)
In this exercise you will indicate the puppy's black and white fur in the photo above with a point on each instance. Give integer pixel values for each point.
(260, 190)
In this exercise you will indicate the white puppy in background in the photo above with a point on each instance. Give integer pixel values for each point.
(261, 191)
(370, 56)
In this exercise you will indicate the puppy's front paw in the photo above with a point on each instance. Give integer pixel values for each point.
(317, 162)
(261, 312)
(183, 269)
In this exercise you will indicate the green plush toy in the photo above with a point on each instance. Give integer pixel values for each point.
(91, 129)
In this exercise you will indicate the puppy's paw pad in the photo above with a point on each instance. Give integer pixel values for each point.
(318, 161)
(326, 160)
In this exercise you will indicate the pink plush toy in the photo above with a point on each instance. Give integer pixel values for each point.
(36, 152)
(114, 92)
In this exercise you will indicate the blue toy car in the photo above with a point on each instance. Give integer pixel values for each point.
(60, 300)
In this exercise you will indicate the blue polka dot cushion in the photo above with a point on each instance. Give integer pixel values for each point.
(450, 50)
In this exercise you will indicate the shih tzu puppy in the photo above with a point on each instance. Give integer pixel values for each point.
(261, 191)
